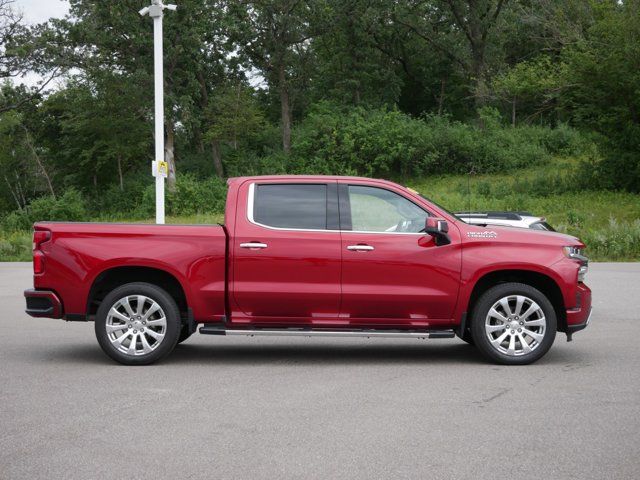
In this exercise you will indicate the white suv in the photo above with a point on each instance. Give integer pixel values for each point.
(506, 219)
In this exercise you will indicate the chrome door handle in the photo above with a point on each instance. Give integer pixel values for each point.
(253, 245)
(360, 248)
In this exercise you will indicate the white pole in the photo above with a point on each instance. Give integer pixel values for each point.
(159, 114)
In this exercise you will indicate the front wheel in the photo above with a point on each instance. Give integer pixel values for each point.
(513, 324)
(137, 324)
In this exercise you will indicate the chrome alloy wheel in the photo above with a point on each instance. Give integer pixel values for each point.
(515, 325)
(136, 325)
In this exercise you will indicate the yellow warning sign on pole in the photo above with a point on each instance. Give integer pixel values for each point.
(163, 169)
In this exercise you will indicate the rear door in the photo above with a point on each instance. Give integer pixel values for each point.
(286, 253)
(393, 274)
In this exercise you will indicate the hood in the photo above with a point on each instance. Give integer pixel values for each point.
(496, 234)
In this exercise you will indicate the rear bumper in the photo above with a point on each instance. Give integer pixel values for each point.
(43, 303)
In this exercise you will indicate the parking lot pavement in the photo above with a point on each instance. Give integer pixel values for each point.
(279, 408)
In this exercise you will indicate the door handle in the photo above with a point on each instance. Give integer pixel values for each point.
(360, 248)
(253, 245)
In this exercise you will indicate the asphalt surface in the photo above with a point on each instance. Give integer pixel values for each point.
(280, 408)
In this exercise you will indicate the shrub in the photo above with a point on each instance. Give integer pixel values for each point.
(15, 246)
(116, 203)
(621, 241)
(388, 143)
(191, 196)
(70, 207)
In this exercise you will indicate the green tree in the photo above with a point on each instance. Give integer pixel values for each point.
(274, 36)
(539, 81)
(111, 37)
(604, 72)
(94, 133)
(461, 30)
(233, 115)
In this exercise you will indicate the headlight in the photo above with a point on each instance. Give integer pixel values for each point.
(574, 252)
(577, 253)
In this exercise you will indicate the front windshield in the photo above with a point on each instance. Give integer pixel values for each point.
(435, 203)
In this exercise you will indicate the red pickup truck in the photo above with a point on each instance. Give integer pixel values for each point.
(313, 256)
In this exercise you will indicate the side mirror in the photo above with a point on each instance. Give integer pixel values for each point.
(438, 228)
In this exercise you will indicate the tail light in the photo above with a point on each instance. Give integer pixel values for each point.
(39, 237)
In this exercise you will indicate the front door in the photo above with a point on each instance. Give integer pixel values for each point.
(392, 274)
(286, 253)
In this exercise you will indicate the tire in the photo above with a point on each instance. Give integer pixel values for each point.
(529, 316)
(139, 311)
(468, 338)
(184, 334)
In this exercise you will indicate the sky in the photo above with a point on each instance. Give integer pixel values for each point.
(37, 11)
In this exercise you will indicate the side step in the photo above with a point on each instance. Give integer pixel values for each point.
(292, 332)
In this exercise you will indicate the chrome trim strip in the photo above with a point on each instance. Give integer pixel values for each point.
(329, 333)
(250, 202)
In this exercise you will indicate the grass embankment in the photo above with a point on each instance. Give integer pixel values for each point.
(608, 222)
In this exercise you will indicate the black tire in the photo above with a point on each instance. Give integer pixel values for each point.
(184, 333)
(171, 330)
(481, 337)
(468, 338)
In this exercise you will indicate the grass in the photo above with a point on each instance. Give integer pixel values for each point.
(608, 222)
(16, 246)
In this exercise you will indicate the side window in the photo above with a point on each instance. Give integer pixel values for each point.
(379, 210)
(291, 205)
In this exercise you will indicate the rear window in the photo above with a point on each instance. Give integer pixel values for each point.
(291, 206)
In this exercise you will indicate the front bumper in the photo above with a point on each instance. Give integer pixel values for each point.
(579, 326)
(579, 317)
(43, 303)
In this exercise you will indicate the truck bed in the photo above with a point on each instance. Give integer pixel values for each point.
(79, 254)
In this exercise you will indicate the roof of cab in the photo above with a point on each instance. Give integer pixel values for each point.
(304, 177)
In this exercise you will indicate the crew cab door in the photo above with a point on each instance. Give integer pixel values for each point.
(286, 252)
(391, 273)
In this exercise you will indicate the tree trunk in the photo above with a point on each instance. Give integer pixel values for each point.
(234, 142)
(120, 174)
(19, 190)
(13, 194)
(443, 84)
(480, 88)
(169, 157)
(285, 109)
(39, 161)
(217, 158)
(513, 111)
(204, 104)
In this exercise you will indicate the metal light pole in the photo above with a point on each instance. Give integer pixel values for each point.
(159, 167)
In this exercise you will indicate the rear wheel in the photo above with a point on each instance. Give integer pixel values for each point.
(513, 324)
(137, 324)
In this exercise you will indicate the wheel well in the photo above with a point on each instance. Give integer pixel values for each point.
(113, 278)
(537, 280)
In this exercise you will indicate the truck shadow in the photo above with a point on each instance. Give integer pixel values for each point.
(306, 354)
(300, 354)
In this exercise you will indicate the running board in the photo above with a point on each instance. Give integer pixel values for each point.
(291, 332)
